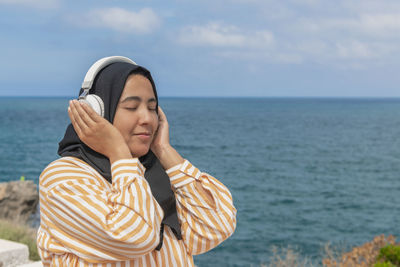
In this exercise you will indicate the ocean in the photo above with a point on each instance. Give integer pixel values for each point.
(303, 172)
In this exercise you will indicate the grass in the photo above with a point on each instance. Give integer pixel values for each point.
(22, 234)
(369, 254)
(366, 255)
(287, 257)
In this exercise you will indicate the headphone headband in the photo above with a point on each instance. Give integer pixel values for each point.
(98, 66)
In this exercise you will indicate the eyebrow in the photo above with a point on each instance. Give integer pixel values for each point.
(137, 98)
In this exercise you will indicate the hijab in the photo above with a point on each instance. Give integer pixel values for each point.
(109, 85)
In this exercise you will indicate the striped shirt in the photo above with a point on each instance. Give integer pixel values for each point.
(86, 221)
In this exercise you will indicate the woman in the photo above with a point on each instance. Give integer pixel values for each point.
(103, 206)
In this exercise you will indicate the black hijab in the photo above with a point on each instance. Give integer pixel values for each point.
(108, 85)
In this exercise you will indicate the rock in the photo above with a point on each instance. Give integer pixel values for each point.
(18, 200)
(33, 264)
(12, 253)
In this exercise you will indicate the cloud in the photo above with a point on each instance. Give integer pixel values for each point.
(270, 56)
(357, 40)
(372, 25)
(370, 6)
(122, 20)
(232, 42)
(41, 4)
(354, 49)
(218, 35)
(379, 25)
(344, 34)
(338, 52)
(307, 2)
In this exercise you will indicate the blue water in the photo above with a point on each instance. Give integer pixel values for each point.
(303, 172)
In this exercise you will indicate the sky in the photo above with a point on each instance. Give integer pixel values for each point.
(255, 48)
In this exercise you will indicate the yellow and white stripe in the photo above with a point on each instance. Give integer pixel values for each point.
(86, 221)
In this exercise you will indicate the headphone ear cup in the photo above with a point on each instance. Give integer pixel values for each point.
(95, 102)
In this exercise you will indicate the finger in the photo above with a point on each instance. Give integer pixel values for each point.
(73, 116)
(73, 121)
(78, 118)
(91, 113)
(161, 114)
(80, 107)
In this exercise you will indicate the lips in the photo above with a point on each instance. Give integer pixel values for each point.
(145, 136)
(143, 133)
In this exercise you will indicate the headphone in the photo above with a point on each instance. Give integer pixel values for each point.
(94, 101)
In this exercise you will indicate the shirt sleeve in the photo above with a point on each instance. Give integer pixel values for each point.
(205, 208)
(98, 221)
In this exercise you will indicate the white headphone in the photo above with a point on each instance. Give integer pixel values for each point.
(91, 99)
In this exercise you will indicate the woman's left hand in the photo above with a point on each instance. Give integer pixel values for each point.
(161, 147)
(161, 138)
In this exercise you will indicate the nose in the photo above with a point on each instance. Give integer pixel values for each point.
(145, 116)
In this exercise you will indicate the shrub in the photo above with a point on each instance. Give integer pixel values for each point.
(390, 254)
(365, 255)
(384, 264)
(21, 234)
(380, 252)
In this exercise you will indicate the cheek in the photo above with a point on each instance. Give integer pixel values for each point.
(125, 124)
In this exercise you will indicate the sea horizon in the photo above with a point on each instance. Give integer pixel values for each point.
(225, 97)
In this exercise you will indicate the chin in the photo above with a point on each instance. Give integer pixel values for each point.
(138, 152)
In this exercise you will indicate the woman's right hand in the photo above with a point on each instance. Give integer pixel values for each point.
(96, 132)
